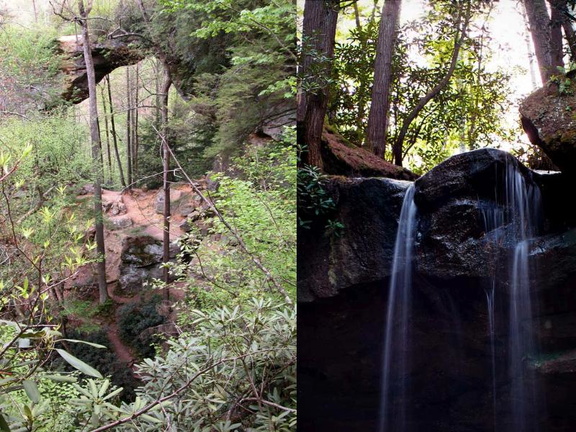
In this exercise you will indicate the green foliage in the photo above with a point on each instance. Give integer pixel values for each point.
(466, 114)
(314, 202)
(239, 367)
(104, 360)
(58, 156)
(562, 81)
(30, 68)
(259, 204)
(190, 131)
(254, 81)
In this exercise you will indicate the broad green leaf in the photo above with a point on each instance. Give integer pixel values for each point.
(79, 364)
(31, 390)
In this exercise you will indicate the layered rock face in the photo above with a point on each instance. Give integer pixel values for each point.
(343, 295)
(106, 56)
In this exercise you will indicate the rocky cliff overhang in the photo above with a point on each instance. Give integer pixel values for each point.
(107, 56)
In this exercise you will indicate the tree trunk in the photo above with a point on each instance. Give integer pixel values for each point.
(107, 132)
(96, 154)
(129, 171)
(556, 18)
(319, 34)
(135, 114)
(114, 137)
(378, 117)
(560, 18)
(166, 180)
(540, 30)
(570, 38)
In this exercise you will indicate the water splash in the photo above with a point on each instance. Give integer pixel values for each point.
(397, 337)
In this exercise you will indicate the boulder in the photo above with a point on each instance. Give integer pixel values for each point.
(120, 222)
(548, 118)
(456, 202)
(140, 262)
(175, 196)
(343, 299)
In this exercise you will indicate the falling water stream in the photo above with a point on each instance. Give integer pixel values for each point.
(511, 221)
(397, 337)
(524, 201)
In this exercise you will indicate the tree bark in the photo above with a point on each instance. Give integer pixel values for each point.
(557, 9)
(166, 180)
(540, 27)
(129, 170)
(96, 154)
(135, 115)
(107, 134)
(570, 38)
(319, 35)
(378, 117)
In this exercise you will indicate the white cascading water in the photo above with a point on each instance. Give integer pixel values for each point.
(515, 225)
(524, 200)
(516, 218)
(397, 337)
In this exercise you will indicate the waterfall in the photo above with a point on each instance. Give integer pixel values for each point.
(396, 336)
(510, 221)
(524, 202)
(514, 226)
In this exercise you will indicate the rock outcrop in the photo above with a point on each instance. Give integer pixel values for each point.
(141, 260)
(106, 56)
(362, 253)
(549, 119)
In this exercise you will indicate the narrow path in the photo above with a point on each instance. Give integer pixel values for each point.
(123, 353)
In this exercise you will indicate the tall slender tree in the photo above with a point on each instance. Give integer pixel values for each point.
(166, 180)
(463, 17)
(96, 149)
(380, 104)
(113, 131)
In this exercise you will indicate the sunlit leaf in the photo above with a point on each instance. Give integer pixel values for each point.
(78, 364)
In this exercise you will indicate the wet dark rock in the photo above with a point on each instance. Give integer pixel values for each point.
(362, 252)
(452, 200)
